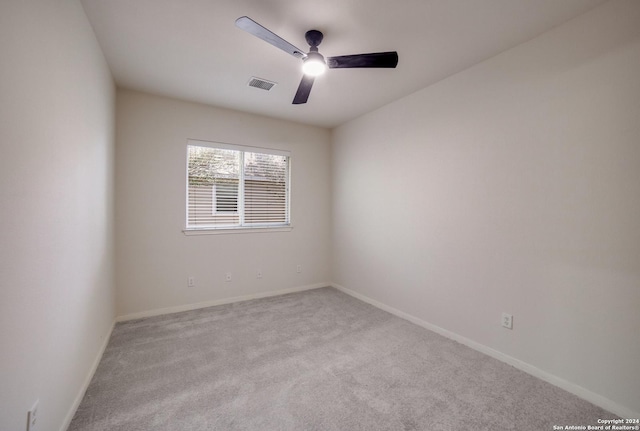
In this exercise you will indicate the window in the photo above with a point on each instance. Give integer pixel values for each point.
(231, 186)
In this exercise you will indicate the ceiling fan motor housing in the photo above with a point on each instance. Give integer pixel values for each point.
(314, 38)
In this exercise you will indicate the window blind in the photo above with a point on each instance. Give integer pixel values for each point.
(234, 187)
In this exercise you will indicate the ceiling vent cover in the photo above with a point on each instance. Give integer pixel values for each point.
(261, 83)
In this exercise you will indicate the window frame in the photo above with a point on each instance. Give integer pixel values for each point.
(241, 227)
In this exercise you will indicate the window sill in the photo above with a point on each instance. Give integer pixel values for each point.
(232, 230)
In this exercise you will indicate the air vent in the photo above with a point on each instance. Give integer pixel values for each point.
(261, 83)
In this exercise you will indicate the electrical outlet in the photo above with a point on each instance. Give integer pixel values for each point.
(191, 282)
(32, 417)
(227, 277)
(507, 320)
(299, 269)
(259, 274)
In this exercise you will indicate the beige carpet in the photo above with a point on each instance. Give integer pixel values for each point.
(315, 360)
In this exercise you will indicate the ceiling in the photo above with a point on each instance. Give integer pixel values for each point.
(191, 49)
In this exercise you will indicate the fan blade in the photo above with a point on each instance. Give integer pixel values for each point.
(250, 26)
(303, 90)
(374, 59)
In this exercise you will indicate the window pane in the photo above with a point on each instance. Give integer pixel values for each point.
(265, 188)
(214, 175)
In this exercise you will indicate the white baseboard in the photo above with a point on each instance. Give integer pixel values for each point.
(87, 381)
(195, 306)
(577, 390)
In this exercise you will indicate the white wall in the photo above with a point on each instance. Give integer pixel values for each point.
(153, 255)
(512, 186)
(57, 117)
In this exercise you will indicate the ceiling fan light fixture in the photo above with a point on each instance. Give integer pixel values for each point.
(314, 64)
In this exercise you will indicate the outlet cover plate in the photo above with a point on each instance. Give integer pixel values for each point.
(32, 417)
(507, 320)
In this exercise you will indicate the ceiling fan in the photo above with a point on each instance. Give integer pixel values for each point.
(313, 63)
